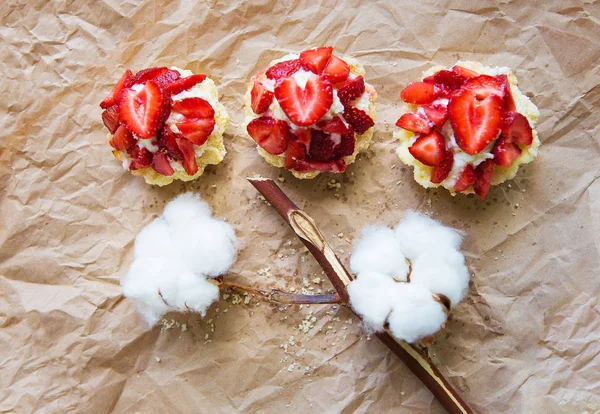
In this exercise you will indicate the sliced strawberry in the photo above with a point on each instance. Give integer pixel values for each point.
(420, 93)
(429, 149)
(304, 106)
(436, 113)
(483, 86)
(505, 152)
(447, 78)
(440, 172)
(346, 145)
(337, 70)
(413, 122)
(145, 75)
(321, 146)
(167, 78)
(270, 134)
(110, 118)
(351, 90)
(337, 166)
(122, 139)
(161, 164)
(189, 155)
(466, 178)
(283, 69)
(261, 98)
(475, 125)
(167, 141)
(464, 72)
(516, 128)
(295, 153)
(193, 108)
(197, 130)
(142, 158)
(484, 173)
(302, 135)
(509, 104)
(125, 82)
(315, 60)
(141, 111)
(358, 118)
(333, 126)
(183, 84)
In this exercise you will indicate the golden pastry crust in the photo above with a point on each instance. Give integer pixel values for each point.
(422, 172)
(362, 140)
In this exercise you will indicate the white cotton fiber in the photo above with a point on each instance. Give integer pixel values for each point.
(173, 257)
(418, 233)
(446, 274)
(416, 314)
(382, 292)
(378, 250)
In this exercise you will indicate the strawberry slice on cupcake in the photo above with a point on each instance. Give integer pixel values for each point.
(467, 128)
(311, 112)
(165, 124)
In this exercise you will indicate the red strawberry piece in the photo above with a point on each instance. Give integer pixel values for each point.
(450, 79)
(295, 154)
(337, 70)
(261, 98)
(315, 60)
(420, 93)
(346, 145)
(436, 113)
(505, 152)
(167, 78)
(197, 130)
(414, 123)
(509, 105)
(304, 106)
(161, 164)
(110, 118)
(193, 108)
(302, 135)
(358, 118)
(145, 75)
(333, 126)
(183, 84)
(516, 128)
(167, 141)
(122, 139)
(484, 173)
(283, 69)
(351, 90)
(269, 133)
(125, 82)
(321, 146)
(429, 149)
(337, 166)
(189, 155)
(464, 72)
(466, 178)
(483, 86)
(475, 125)
(142, 158)
(141, 111)
(440, 172)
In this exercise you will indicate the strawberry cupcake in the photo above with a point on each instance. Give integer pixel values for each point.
(467, 127)
(165, 124)
(311, 112)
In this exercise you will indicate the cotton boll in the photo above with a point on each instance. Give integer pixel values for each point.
(371, 296)
(154, 240)
(378, 250)
(194, 293)
(184, 209)
(442, 272)
(415, 313)
(418, 233)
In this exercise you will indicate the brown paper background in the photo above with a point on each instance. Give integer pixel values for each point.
(525, 339)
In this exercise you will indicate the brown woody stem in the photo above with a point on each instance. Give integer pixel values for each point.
(416, 359)
(286, 298)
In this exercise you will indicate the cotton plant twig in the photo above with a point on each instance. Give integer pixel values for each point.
(416, 359)
(281, 297)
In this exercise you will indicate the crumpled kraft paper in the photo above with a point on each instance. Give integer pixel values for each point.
(525, 339)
